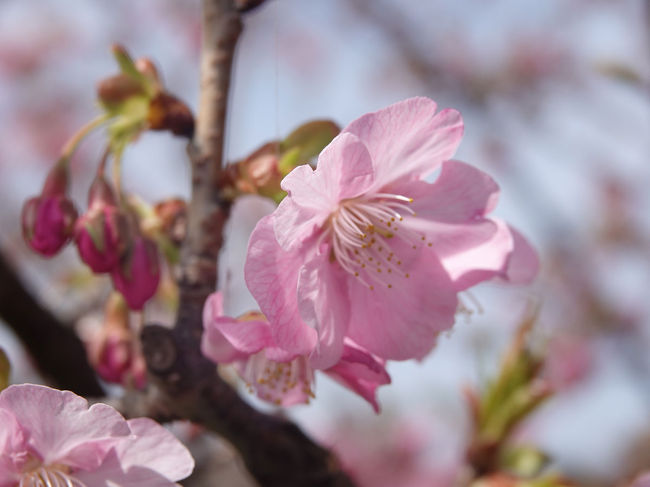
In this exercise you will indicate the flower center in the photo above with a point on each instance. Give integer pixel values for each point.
(50, 476)
(369, 239)
(274, 381)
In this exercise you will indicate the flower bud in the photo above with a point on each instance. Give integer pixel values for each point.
(102, 233)
(138, 276)
(48, 219)
(119, 88)
(167, 112)
(113, 351)
(172, 219)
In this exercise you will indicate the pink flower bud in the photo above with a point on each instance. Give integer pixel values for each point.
(48, 220)
(119, 362)
(138, 277)
(102, 233)
(113, 350)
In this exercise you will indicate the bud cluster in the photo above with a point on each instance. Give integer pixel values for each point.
(110, 236)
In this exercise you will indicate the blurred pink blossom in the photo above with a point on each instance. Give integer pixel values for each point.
(52, 438)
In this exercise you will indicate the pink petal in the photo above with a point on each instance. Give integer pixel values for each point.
(213, 344)
(324, 306)
(403, 322)
(154, 458)
(155, 448)
(247, 337)
(408, 138)
(272, 278)
(482, 262)
(13, 443)
(293, 223)
(344, 171)
(360, 372)
(523, 265)
(344, 168)
(461, 193)
(449, 239)
(62, 428)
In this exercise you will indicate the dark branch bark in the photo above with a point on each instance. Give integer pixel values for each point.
(276, 452)
(56, 350)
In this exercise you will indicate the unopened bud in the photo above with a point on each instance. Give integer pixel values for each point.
(148, 69)
(138, 276)
(48, 220)
(172, 219)
(118, 88)
(102, 235)
(167, 112)
(113, 351)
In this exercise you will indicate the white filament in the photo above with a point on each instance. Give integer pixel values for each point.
(52, 476)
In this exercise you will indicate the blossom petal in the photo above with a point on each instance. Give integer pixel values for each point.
(293, 223)
(62, 428)
(403, 321)
(344, 171)
(360, 372)
(272, 277)
(408, 138)
(225, 339)
(461, 193)
(154, 458)
(481, 262)
(523, 265)
(324, 305)
(13, 439)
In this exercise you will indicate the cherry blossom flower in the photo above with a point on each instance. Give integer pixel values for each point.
(274, 374)
(364, 248)
(51, 438)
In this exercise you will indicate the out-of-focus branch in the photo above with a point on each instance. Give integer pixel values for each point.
(185, 384)
(55, 348)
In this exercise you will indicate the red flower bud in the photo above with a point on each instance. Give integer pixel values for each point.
(48, 220)
(137, 278)
(102, 233)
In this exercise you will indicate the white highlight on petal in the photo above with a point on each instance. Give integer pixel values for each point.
(51, 476)
(361, 231)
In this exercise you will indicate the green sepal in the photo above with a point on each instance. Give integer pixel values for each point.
(309, 140)
(524, 461)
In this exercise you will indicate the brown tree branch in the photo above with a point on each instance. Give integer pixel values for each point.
(186, 384)
(55, 348)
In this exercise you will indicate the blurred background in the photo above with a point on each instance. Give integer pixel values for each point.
(556, 101)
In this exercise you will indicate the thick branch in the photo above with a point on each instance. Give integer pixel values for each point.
(56, 350)
(275, 451)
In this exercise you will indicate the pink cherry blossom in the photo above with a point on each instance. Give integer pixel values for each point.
(364, 248)
(52, 438)
(274, 374)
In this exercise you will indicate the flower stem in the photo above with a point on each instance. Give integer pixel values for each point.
(72, 144)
